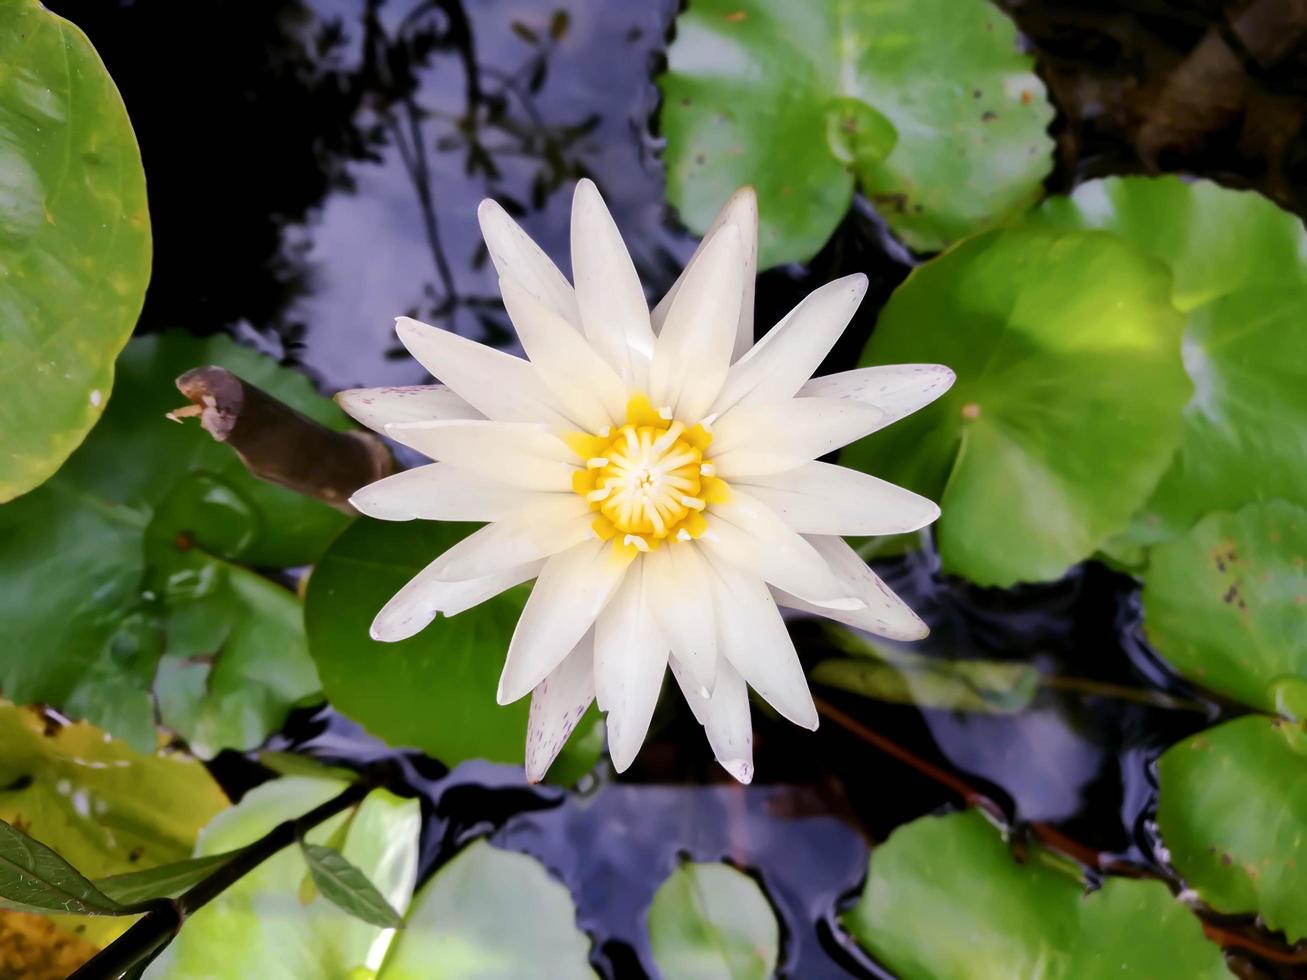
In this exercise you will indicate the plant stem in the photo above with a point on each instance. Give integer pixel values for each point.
(160, 925)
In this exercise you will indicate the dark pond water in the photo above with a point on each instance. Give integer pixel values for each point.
(314, 171)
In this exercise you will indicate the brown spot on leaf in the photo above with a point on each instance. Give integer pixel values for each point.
(735, 16)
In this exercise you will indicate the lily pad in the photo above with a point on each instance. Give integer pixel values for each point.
(1240, 267)
(902, 677)
(1067, 404)
(436, 690)
(1226, 603)
(74, 240)
(103, 807)
(943, 129)
(946, 898)
(490, 914)
(260, 927)
(711, 922)
(1232, 812)
(1214, 239)
(127, 554)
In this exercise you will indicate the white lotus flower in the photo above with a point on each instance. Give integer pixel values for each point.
(654, 474)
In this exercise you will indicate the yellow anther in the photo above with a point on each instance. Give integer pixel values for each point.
(647, 480)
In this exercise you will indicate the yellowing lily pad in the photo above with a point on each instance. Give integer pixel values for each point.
(1067, 404)
(74, 240)
(945, 897)
(1226, 604)
(929, 108)
(104, 807)
(1232, 812)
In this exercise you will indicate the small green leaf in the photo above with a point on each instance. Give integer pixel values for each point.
(711, 922)
(165, 881)
(33, 877)
(946, 898)
(903, 677)
(490, 914)
(346, 886)
(1067, 404)
(74, 240)
(1232, 811)
(435, 691)
(944, 130)
(1226, 603)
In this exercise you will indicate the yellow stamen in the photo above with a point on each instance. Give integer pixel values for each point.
(647, 480)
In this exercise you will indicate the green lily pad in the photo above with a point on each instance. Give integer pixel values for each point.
(1240, 267)
(1232, 812)
(1226, 603)
(1067, 404)
(490, 914)
(104, 807)
(127, 554)
(261, 927)
(943, 129)
(1215, 240)
(74, 240)
(711, 922)
(946, 898)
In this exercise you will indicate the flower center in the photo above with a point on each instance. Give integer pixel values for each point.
(647, 481)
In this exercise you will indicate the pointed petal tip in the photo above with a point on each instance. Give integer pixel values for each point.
(488, 206)
(740, 769)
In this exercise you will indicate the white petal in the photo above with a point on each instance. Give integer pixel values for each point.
(749, 535)
(885, 613)
(374, 407)
(725, 718)
(515, 453)
(679, 585)
(579, 379)
(613, 308)
(779, 364)
(417, 603)
(557, 704)
(517, 257)
(630, 660)
(751, 440)
(440, 492)
(740, 212)
(755, 641)
(820, 498)
(555, 523)
(694, 349)
(896, 389)
(570, 593)
(498, 385)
